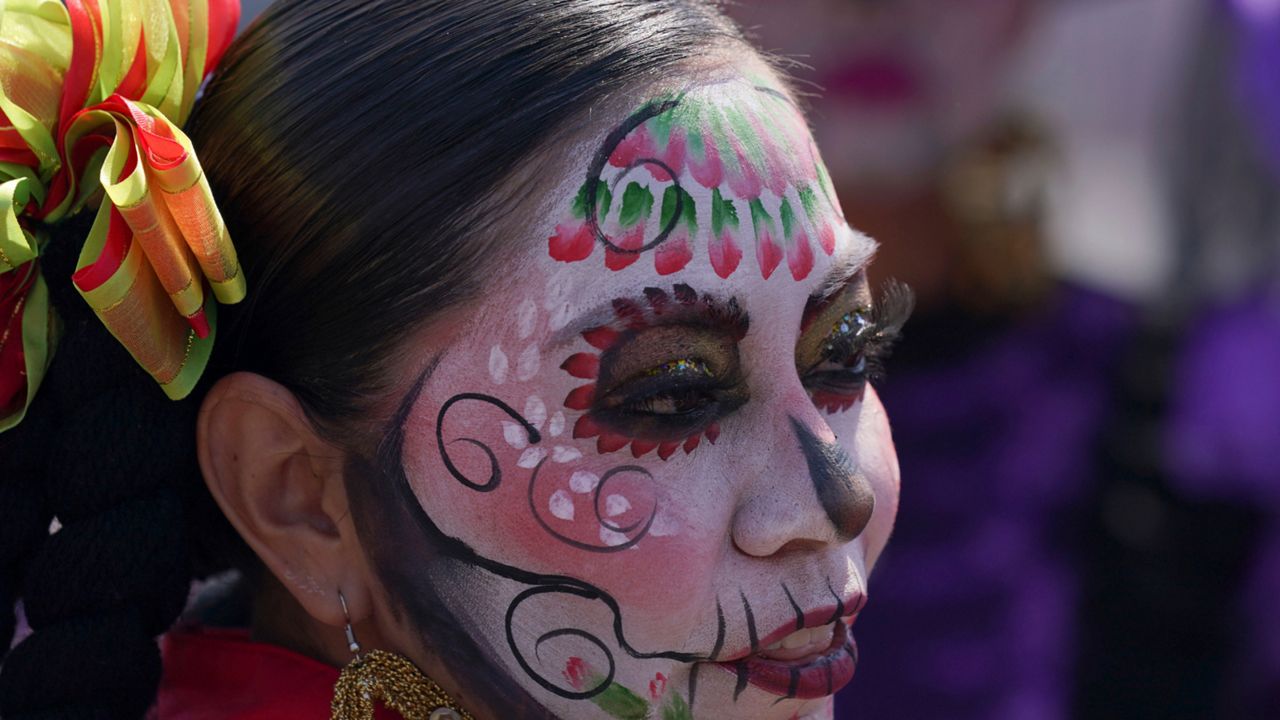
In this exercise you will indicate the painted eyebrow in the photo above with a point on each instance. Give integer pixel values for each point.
(847, 266)
(837, 278)
(712, 308)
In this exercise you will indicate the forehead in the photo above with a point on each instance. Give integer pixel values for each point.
(715, 184)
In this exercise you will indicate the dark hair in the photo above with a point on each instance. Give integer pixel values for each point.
(362, 153)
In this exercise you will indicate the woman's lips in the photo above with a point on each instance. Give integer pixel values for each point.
(800, 644)
(820, 661)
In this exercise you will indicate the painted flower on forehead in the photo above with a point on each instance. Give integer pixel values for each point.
(92, 95)
(698, 176)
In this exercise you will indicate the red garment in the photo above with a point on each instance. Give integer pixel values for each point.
(217, 674)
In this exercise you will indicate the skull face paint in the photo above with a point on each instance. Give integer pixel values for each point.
(608, 505)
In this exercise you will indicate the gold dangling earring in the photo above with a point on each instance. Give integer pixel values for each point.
(391, 678)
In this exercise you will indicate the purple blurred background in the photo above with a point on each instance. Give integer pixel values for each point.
(1087, 404)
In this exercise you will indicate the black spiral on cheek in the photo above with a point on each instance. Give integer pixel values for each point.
(390, 458)
(639, 527)
(610, 666)
(495, 470)
(601, 159)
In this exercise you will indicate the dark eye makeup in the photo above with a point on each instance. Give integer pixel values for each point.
(668, 370)
(837, 366)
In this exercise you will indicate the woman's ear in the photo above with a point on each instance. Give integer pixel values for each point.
(281, 486)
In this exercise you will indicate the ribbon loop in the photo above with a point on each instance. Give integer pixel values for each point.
(92, 98)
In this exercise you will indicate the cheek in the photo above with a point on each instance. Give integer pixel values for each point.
(557, 506)
(878, 459)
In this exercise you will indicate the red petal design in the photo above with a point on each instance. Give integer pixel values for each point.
(674, 155)
(582, 365)
(725, 254)
(657, 686)
(609, 442)
(667, 449)
(672, 256)
(575, 671)
(768, 254)
(713, 433)
(746, 182)
(658, 299)
(691, 443)
(800, 257)
(631, 314)
(827, 238)
(636, 145)
(572, 242)
(707, 171)
(580, 398)
(585, 427)
(630, 240)
(601, 338)
(640, 447)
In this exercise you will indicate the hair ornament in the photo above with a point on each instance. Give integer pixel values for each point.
(93, 94)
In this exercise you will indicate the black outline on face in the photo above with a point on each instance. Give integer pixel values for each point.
(601, 159)
(387, 501)
(619, 134)
(419, 581)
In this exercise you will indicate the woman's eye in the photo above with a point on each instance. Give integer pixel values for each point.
(839, 380)
(668, 402)
(685, 401)
(677, 389)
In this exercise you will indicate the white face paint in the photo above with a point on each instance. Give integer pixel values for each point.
(668, 440)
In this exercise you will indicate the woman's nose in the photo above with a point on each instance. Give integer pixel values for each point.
(812, 493)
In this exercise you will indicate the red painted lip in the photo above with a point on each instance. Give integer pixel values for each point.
(874, 79)
(803, 679)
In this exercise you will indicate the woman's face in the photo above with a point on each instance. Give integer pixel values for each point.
(647, 477)
(901, 81)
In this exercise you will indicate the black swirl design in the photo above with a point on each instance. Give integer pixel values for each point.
(601, 159)
(639, 527)
(495, 470)
(390, 459)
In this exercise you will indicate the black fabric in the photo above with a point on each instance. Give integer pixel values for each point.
(102, 665)
(105, 453)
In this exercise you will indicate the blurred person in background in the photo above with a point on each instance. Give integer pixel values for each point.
(1089, 518)
(1000, 388)
(1185, 566)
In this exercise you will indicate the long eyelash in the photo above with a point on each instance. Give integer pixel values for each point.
(888, 315)
(891, 312)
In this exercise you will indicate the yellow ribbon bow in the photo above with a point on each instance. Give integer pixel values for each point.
(92, 97)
